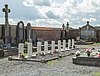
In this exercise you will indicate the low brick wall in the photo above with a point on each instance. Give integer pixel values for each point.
(90, 61)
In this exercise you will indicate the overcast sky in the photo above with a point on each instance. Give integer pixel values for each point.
(53, 13)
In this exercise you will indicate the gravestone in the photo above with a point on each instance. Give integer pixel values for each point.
(7, 37)
(29, 33)
(20, 32)
(59, 45)
(69, 43)
(64, 45)
(45, 47)
(20, 49)
(29, 49)
(72, 43)
(38, 47)
(53, 47)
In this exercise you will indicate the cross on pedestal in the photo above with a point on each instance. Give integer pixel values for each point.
(7, 26)
(6, 10)
(63, 26)
(63, 32)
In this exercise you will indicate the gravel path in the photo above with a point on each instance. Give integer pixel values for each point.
(61, 67)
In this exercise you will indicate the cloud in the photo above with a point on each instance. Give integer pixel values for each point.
(53, 12)
(90, 19)
(36, 2)
(51, 15)
(28, 3)
(42, 2)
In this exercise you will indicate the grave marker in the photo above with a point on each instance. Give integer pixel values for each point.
(29, 32)
(59, 45)
(69, 43)
(20, 49)
(53, 47)
(45, 47)
(20, 32)
(64, 45)
(72, 43)
(29, 48)
(7, 37)
(38, 47)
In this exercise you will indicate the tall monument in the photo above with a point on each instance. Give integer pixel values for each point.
(63, 32)
(7, 37)
(68, 36)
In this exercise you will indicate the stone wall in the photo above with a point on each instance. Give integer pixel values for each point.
(74, 33)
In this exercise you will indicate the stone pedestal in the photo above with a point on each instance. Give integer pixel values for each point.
(38, 47)
(45, 47)
(53, 47)
(20, 49)
(29, 48)
(59, 45)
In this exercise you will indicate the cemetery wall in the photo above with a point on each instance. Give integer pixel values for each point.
(13, 31)
(74, 33)
(48, 34)
(0, 31)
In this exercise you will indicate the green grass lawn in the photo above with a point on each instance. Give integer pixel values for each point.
(96, 74)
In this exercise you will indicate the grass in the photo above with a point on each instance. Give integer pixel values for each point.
(97, 74)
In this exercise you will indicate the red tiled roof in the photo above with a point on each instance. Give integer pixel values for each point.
(46, 28)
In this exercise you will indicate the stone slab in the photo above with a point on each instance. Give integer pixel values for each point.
(89, 61)
(44, 58)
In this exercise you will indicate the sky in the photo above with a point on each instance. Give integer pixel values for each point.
(52, 13)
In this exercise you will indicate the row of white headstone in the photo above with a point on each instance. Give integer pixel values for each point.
(29, 47)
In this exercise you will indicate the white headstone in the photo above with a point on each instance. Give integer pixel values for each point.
(38, 47)
(20, 49)
(72, 43)
(69, 43)
(45, 47)
(29, 48)
(59, 45)
(53, 46)
(64, 45)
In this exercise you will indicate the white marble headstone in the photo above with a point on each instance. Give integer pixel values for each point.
(64, 45)
(53, 47)
(59, 45)
(20, 48)
(29, 48)
(69, 43)
(38, 47)
(45, 47)
(72, 43)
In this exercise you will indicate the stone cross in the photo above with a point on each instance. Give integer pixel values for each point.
(6, 10)
(63, 26)
(7, 26)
